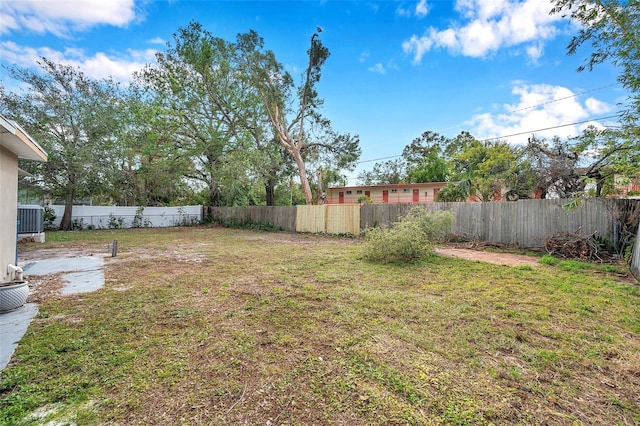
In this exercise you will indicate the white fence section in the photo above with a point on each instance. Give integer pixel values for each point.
(105, 217)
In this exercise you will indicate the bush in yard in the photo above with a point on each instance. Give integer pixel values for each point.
(408, 240)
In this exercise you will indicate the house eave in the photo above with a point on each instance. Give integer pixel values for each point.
(15, 139)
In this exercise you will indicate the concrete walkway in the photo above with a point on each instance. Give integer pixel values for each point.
(81, 275)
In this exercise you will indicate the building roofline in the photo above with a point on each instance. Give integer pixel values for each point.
(17, 140)
(393, 185)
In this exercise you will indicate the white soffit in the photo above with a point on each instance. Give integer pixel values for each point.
(15, 139)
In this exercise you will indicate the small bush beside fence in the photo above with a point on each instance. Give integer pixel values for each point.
(409, 239)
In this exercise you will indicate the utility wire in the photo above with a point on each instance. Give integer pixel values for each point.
(514, 134)
(566, 97)
(545, 103)
(553, 127)
(378, 159)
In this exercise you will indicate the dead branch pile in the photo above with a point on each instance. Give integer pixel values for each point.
(574, 246)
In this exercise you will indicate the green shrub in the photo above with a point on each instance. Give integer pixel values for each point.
(49, 218)
(548, 259)
(408, 240)
(115, 222)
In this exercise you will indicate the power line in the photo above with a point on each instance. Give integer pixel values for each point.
(551, 128)
(378, 159)
(514, 134)
(566, 97)
(545, 103)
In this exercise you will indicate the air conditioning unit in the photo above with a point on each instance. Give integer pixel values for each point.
(30, 219)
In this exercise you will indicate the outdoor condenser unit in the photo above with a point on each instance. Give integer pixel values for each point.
(30, 219)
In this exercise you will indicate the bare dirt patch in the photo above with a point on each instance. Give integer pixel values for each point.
(507, 259)
(35, 254)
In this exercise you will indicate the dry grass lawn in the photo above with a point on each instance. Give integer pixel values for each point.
(211, 326)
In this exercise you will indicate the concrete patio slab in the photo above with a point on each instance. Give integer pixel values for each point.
(84, 274)
(13, 325)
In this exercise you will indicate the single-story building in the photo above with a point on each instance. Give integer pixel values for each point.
(14, 143)
(392, 194)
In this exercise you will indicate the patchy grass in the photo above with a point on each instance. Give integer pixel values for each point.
(218, 326)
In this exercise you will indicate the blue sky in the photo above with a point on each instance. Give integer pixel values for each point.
(494, 68)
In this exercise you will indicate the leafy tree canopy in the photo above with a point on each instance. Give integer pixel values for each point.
(78, 120)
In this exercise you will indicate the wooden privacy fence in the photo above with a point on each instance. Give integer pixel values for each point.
(329, 218)
(280, 217)
(524, 223)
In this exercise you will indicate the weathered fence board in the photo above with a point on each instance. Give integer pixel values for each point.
(310, 219)
(329, 219)
(343, 219)
(233, 215)
(280, 217)
(525, 223)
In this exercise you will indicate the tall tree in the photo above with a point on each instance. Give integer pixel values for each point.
(293, 110)
(329, 153)
(78, 121)
(489, 166)
(564, 167)
(202, 97)
(385, 173)
(152, 173)
(425, 158)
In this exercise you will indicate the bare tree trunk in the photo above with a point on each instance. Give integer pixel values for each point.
(214, 194)
(65, 223)
(302, 171)
(269, 188)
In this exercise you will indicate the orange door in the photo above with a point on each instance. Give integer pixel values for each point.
(341, 197)
(385, 195)
(416, 195)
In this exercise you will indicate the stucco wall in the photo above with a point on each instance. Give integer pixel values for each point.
(8, 209)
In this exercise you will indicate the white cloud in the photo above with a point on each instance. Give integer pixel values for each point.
(540, 106)
(535, 52)
(418, 46)
(595, 106)
(157, 40)
(403, 11)
(363, 57)
(488, 25)
(391, 65)
(60, 16)
(378, 68)
(99, 65)
(422, 8)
